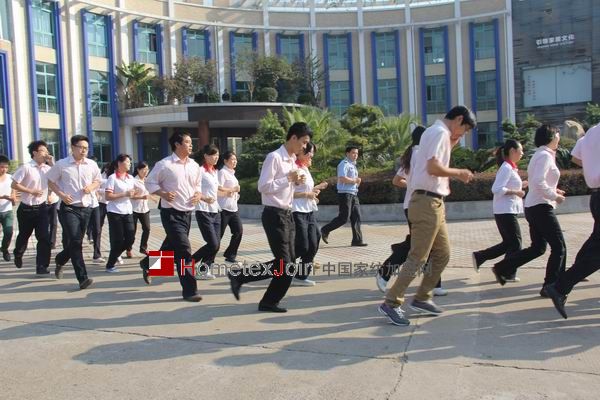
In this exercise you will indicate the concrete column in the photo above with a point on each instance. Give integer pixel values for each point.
(460, 89)
(128, 133)
(267, 35)
(510, 67)
(220, 59)
(362, 64)
(72, 78)
(203, 133)
(121, 20)
(171, 42)
(410, 61)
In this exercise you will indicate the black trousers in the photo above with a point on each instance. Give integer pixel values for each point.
(144, 219)
(307, 240)
(122, 235)
(509, 229)
(544, 229)
(177, 228)
(280, 230)
(94, 231)
(53, 223)
(588, 258)
(34, 218)
(398, 257)
(74, 222)
(233, 220)
(349, 208)
(210, 228)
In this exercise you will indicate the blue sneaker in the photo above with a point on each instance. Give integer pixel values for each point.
(426, 307)
(394, 315)
(112, 270)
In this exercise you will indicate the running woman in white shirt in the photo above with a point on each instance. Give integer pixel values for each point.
(540, 202)
(120, 189)
(8, 198)
(507, 204)
(304, 205)
(141, 208)
(229, 194)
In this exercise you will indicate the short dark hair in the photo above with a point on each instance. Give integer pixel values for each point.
(177, 137)
(4, 159)
(299, 129)
(138, 166)
(462, 111)
(544, 135)
(351, 147)
(35, 145)
(78, 138)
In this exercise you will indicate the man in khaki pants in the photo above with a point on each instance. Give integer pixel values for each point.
(426, 212)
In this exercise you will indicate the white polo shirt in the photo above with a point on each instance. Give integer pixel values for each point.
(435, 143)
(302, 204)
(273, 184)
(33, 176)
(118, 185)
(5, 190)
(227, 179)
(210, 188)
(587, 150)
(140, 206)
(507, 178)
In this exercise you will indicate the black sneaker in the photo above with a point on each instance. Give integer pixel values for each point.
(271, 308)
(42, 271)
(19, 262)
(325, 237)
(6, 255)
(544, 293)
(236, 285)
(558, 299)
(86, 283)
(58, 272)
(499, 278)
(476, 261)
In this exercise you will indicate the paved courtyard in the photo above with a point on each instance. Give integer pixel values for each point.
(124, 340)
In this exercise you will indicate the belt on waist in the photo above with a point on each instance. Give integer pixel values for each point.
(430, 194)
(595, 190)
(33, 207)
(280, 210)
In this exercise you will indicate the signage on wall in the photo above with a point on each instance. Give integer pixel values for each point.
(555, 41)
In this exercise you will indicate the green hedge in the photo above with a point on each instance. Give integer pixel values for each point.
(376, 188)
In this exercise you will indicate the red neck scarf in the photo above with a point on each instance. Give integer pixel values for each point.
(209, 168)
(512, 164)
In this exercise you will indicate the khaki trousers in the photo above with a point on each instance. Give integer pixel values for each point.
(429, 236)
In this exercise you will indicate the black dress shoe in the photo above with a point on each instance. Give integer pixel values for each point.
(361, 244)
(41, 271)
(325, 237)
(231, 260)
(6, 255)
(146, 276)
(86, 283)
(271, 308)
(499, 278)
(543, 293)
(236, 285)
(194, 299)
(58, 272)
(18, 262)
(558, 299)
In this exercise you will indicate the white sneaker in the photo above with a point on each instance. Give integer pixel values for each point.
(439, 291)
(515, 279)
(99, 260)
(120, 260)
(381, 283)
(206, 276)
(303, 282)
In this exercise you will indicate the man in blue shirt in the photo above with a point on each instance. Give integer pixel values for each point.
(347, 187)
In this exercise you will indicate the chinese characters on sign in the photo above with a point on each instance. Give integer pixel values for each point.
(554, 41)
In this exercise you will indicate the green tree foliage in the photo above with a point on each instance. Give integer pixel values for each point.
(522, 132)
(269, 136)
(592, 112)
(134, 81)
(477, 161)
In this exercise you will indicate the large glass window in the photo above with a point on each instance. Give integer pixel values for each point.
(43, 26)
(46, 87)
(151, 147)
(102, 147)
(4, 20)
(435, 94)
(289, 46)
(387, 96)
(487, 134)
(235, 144)
(485, 82)
(386, 50)
(242, 45)
(52, 139)
(483, 40)
(196, 43)
(337, 52)
(433, 46)
(147, 44)
(95, 27)
(560, 84)
(340, 96)
(99, 94)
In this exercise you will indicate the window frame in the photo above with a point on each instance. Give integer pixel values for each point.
(49, 100)
(99, 107)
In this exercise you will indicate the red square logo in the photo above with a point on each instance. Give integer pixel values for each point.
(162, 263)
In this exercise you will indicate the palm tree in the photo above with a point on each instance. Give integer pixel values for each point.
(135, 80)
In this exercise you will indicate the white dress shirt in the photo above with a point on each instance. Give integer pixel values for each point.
(302, 204)
(507, 178)
(71, 177)
(6, 190)
(210, 188)
(228, 180)
(435, 143)
(116, 185)
(33, 176)
(402, 173)
(140, 206)
(543, 176)
(587, 150)
(171, 174)
(275, 188)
